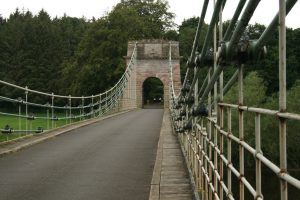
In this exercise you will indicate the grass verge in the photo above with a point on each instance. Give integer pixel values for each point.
(17, 123)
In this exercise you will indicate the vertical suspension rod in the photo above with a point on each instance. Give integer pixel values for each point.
(215, 64)
(221, 113)
(196, 39)
(241, 130)
(252, 4)
(215, 94)
(282, 97)
(209, 34)
(203, 85)
(208, 37)
(199, 28)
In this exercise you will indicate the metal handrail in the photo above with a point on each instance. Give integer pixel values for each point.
(74, 97)
(97, 104)
(198, 115)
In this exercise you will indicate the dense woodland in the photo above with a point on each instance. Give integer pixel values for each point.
(76, 56)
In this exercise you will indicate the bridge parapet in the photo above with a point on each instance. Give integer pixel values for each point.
(218, 138)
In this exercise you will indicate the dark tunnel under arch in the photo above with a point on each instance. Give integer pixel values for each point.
(153, 93)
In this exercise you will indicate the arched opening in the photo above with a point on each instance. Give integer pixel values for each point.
(153, 93)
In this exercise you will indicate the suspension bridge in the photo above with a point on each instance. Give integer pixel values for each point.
(105, 146)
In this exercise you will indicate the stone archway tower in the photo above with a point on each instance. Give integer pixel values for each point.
(152, 60)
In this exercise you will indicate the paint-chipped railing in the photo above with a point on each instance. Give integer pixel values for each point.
(26, 114)
(199, 112)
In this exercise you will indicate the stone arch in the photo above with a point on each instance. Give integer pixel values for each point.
(152, 68)
(164, 83)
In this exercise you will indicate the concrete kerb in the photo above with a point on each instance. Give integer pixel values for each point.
(156, 176)
(27, 141)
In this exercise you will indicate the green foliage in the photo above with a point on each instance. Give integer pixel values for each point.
(34, 47)
(254, 87)
(154, 15)
(98, 61)
(293, 126)
(74, 56)
(187, 31)
(20, 124)
(171, 35)
(255, 95)
(268, 67)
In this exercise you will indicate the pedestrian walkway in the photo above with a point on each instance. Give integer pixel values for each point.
(170, 177)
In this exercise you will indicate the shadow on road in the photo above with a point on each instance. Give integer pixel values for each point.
(153, 106)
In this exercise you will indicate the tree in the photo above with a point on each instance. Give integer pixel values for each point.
(187, 32)
(98, 62)
(34, 47)
(293, 127)
(254, 96)
(154, 14)
(171, 35)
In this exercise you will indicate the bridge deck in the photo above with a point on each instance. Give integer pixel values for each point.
(170, 177)
(111, 159)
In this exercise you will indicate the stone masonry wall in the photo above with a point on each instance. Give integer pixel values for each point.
(152, 61)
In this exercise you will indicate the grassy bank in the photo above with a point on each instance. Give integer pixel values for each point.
(17, 123)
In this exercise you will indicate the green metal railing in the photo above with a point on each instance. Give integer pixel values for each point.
(203, 120)
(59, 107)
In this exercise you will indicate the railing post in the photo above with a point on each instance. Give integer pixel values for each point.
(47, 113)
(52, 110)
(221, 120)
(229, 150)
(201, 156)
(93, 106)
(66, 111)
(209, 138)
(20, 112)
(111, 100)
(20, 116)
(241, 130)
(82, 109)
(106, 103)
(215, 113)
(100, 106)
(134, 82)
(215, 67)
(197, 137)
(282, 97)
(26, 107)
(258, 150)
(129, 96)
(70, 107)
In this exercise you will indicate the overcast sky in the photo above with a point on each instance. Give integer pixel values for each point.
(183, 9)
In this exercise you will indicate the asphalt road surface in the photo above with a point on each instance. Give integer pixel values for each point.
(110, 160)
